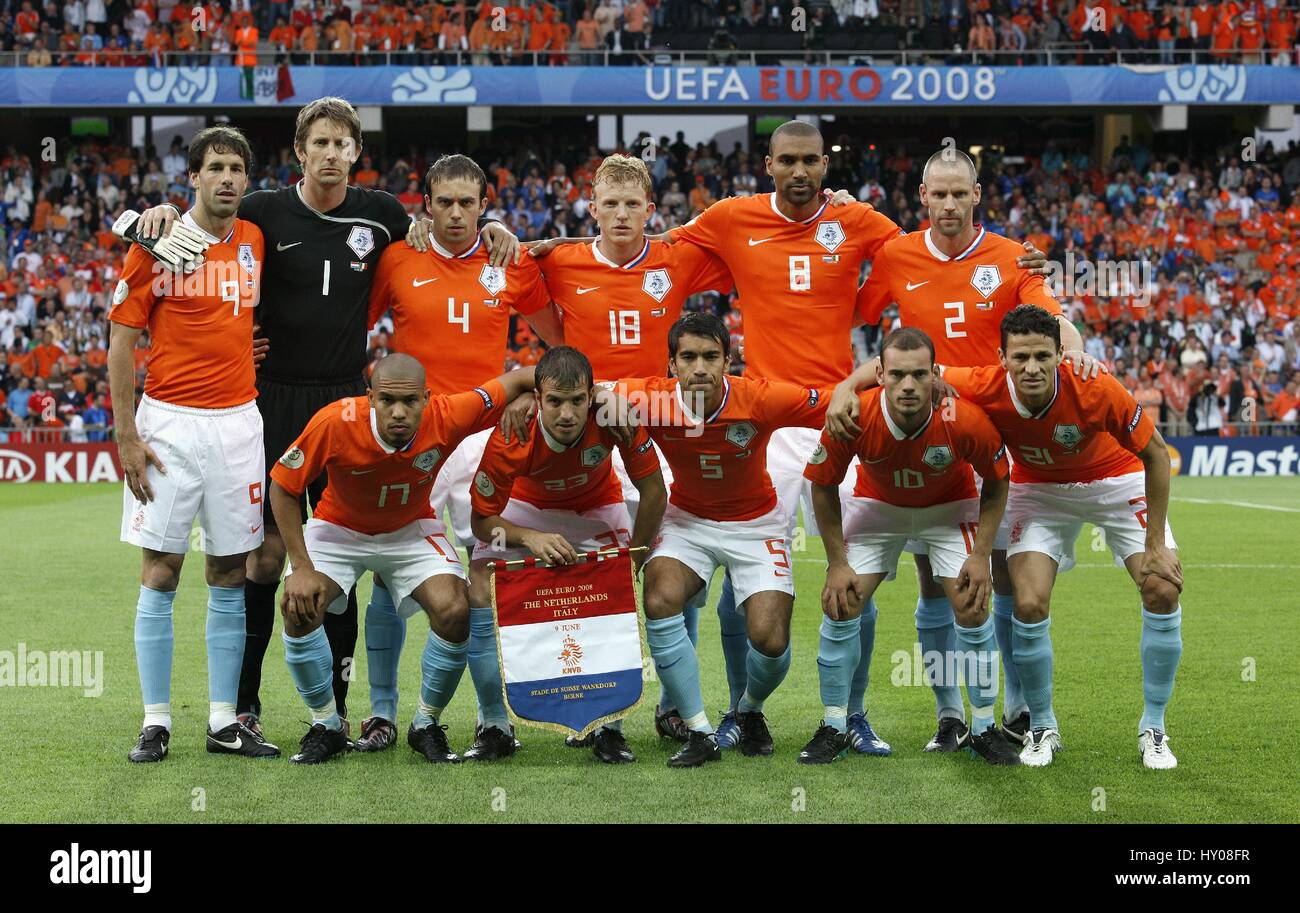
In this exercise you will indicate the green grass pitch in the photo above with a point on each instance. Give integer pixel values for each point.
(70, 585)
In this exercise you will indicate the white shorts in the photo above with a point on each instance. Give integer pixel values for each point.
(631, 496)
(586, 531)
(452, 487)
(787, 457)
(755, 553)
(404, 558)
(215, 471)
(1048, 517)
(917, 547)
(876, 533)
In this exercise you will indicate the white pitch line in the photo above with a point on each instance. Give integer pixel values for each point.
(1233, 567)
(1286, 510)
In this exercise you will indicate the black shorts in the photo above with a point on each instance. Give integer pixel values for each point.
(286, 409)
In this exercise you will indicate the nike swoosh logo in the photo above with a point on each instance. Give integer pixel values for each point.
(911, 287)
(361, 472)
(283, 246)
(416, 283)
(253, 529)
(874, 462)
(583, 291)
(753, 243)
(233, 746)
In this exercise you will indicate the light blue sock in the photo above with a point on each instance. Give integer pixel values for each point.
(385, 635)
(1032, 648)
(837, 659)
(1013, 698)
(485, 670)
(226, 633)
(678, 668)
(980, 669)
(691, 616)
(935, 629)
(1162, 646)
(153, 647)
(735, 642)
(765, 674)
(441, 667)
(311, 664)
(862, 672)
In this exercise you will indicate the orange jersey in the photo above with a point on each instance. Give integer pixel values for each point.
(453, 312)
(796, 280)
(1090, 430)
(374, 488)
(931, 465)
(547, 474)
(619, 316)
(201, 324)
(720, 463)
(959, 302)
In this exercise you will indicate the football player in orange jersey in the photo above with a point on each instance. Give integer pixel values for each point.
(381, 451)
(194, 448)
(914, 483)
(553, 497)
(955, 281)
(451, 311)
(1085, 452)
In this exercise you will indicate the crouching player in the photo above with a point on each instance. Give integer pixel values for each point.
(382, 452)
(1083, 452)
(914, 483)
(553, 496)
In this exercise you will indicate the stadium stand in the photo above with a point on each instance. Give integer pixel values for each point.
(618, 32)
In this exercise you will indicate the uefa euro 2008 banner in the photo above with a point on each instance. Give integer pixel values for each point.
(747, 88)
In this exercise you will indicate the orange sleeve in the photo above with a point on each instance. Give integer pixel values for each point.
(874, 296)
(880, 229)
(308, 456)
(982, 446)
(1033, 290)
(462, 414)
(829, 462)
(133, 297)
(381, 289)
(707, 272)
(497, 471)
(1122, 416)
(786, 405)
(979, 385)
(531, 292)
(639, 457)
(708, 228)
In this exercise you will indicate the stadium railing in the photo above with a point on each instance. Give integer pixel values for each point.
(1233, 429)
(1064, 54)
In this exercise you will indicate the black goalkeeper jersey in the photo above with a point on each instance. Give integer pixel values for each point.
(316, 278)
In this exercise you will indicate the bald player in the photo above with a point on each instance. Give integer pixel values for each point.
(383, 452)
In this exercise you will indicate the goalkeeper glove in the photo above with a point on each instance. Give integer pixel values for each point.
(181, 250)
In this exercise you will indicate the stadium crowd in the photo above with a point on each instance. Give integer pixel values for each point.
(42, 33)
(1205, 333)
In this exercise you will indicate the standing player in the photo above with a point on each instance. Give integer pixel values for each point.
(713, 430)
(451, 311)
(1083, 453)
(323, 239)
(796, 264)
(956, 281)
(554, 497)
(914, 483)
(381, 451)
(194, 449)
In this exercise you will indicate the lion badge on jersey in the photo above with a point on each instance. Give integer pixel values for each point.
(986, 279)
(362, 240)
(248, 262)
(829, 235)
(1068, 436)
(656, 283)
(427, 460)
(741, 433)
(938, 457)
(594, 455)
(493, 278)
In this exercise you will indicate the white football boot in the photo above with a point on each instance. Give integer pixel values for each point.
(1040, 748)
(1154, 747)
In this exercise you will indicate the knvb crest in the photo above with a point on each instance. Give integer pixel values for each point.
(1068, 436)
(594, 455)
(427, 460)
(362, 240)
(986, 279)
(830, 235)
(246, 259)
(741, 433)
(938, 457)
(656, 283)
(493, 278)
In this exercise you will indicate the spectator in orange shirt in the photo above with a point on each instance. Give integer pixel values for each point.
(561, 34)
(46, 355)
(480, 41)
(531, 354)
(366, 175)
(284, 39)
(1250, 38)
(452, 38)
(1281, 36)
(1202, 19)
(539, 35)
(309, 41)
(701, 196)
(588, 32)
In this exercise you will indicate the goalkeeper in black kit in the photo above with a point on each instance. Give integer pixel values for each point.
(323, 242)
